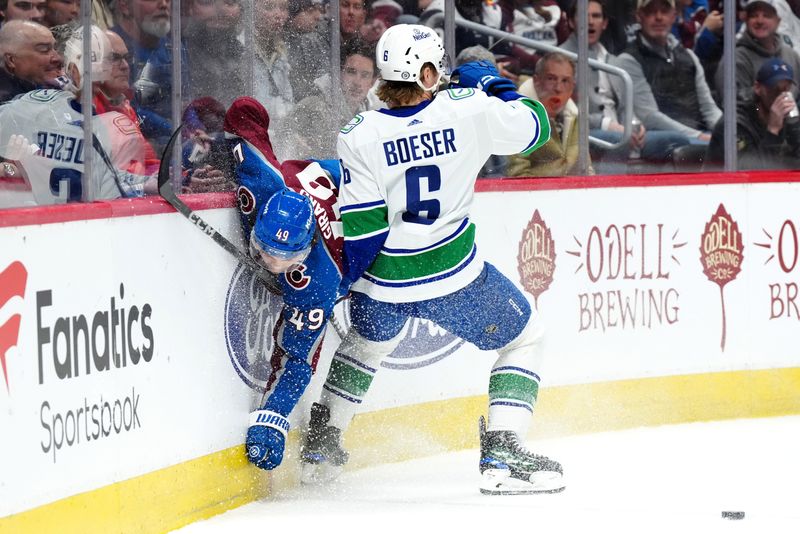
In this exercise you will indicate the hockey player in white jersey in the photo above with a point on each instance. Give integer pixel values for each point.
(408, 175)
(51, 121)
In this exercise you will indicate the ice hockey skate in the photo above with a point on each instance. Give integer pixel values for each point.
(323, 457)
(508, 468)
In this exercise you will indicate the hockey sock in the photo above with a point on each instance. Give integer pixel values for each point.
(352, 369)
(514, 382)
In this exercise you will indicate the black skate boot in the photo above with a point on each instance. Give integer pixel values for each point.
(508, 468)
(323, 457)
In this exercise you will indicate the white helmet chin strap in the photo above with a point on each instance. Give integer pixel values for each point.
(433, 88)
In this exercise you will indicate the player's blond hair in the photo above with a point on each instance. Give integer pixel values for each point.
(401, 93)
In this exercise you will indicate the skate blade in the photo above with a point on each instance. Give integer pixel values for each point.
(317, 474)
(500, 482)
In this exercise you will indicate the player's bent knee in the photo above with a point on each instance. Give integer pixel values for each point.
(367, 351)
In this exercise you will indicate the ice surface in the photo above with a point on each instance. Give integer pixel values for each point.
(676, 479)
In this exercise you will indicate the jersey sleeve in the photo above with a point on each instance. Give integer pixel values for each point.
(516, 127)
(257, 180)
(309, 294)
(364, 212)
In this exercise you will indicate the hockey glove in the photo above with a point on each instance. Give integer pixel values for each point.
(266, 439)
(484, 76)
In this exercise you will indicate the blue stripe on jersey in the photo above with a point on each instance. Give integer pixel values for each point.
(405, 111)
(415, 250)
(351, 207)
(536, 132)
(440, 276)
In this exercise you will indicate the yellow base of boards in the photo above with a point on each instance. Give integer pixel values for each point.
(170, 498)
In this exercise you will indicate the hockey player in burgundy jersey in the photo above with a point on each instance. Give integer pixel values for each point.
(290, 216)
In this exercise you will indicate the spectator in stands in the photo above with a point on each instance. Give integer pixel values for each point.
(381, 15)
(553, 84)
(690, 17)
(22, 10)
(708, 45)
(302, 32)
(605, 99)
(759, 42)
(353, 14)
(670, 89)
(110, 94)
(767, 137)
(58, 12)
(313, 126)
(274, 87)
(53, 120)
(310, 56)
(28, 58)
(144, 25)
(489, 14)
(214, 50)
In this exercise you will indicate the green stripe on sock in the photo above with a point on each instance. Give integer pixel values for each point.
(513, 386)
(349, 379)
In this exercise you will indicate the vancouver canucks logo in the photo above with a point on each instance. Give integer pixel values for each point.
(250, 315)
(355, 121)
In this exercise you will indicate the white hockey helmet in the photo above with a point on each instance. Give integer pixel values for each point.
(101, 49)
(403, 49)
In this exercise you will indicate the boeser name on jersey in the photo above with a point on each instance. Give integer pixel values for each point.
(417, 147)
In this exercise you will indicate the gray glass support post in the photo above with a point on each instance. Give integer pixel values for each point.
(450, 29)
(249, 48)
(336, 50)
(88, 183)
(582, 80)
(177, 84)
(729, 77)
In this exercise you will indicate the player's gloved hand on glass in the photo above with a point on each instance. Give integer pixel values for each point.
(483, 75)
(266, 439)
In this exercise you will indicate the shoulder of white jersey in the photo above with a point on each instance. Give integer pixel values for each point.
(46, 96)
(355, 122)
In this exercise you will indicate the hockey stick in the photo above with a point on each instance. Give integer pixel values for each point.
(168, 194)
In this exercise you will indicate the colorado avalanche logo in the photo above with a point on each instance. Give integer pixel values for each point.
(247, 202)
(250, 315)
(297, 278)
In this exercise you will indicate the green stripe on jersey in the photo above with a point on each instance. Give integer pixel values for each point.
(544, 123)
(349, 379)
(365, 222)
(513, 386)
(398, 267)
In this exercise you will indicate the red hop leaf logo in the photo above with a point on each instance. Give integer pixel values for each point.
(536, 259)
(721, 247)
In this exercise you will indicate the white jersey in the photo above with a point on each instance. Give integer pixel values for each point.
(409, 176)
(52, 120)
